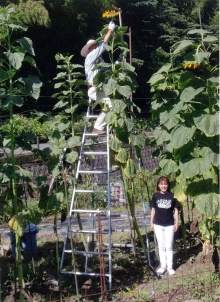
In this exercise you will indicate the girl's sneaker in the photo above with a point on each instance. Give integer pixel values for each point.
(171, 271)
(161, 271)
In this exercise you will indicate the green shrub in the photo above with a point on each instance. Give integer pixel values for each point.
(24, 125)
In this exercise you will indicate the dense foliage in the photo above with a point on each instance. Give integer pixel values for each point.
(185, 111)
(155, 26)
(184, 107)
(14, 87)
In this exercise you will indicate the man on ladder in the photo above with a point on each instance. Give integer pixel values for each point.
(92, 52)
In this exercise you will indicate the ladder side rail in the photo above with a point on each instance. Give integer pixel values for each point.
(101, 257)
(87, 247)
(77, 175)
(109, 210)
(63, 253)
(80, 159)
(69, 231)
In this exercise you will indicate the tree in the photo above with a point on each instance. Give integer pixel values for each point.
(155, 26)
(31, 12)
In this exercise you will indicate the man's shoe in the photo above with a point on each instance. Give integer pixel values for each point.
(96, 131)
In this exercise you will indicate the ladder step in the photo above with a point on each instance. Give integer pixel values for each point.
(96, 152)
(100, 212)
(91, 191)
(93, 171)
(83, 273)
(90, 231)
(122, 245)
(88, 211)
(118, 244)
(104, 231)
(121, 230)
(92, 116)
(94, 134)
(85, 252)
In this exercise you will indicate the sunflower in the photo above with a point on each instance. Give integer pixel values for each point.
(191, 65)
(110, 14)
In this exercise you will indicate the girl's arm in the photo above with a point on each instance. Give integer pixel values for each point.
(176, 217)
(152, 214)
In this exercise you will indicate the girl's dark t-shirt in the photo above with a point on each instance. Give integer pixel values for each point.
(164, 205)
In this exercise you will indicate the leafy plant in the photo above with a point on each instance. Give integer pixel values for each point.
(185, 110)
(32, 12)
(118, 80)
(63, 153)
(13, 88)
(25, 125)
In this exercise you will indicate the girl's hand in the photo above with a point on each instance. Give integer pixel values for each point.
(152, 214)
(152, 227)
(175, 227)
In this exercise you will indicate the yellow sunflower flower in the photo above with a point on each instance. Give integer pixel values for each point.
(191, 65)
(110, 14)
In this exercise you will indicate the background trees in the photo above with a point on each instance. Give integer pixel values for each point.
(155, 26)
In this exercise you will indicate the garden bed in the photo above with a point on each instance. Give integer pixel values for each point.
(133, 280)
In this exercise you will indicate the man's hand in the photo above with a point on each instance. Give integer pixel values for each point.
(111, 25)
(111, 28)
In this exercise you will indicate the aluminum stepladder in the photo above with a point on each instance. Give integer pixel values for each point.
(94, 221)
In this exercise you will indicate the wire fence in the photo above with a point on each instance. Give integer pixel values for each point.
(197, 286)
(29, 161)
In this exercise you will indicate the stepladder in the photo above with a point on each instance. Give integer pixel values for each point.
(87, 249)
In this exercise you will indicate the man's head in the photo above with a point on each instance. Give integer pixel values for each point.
(90, 45)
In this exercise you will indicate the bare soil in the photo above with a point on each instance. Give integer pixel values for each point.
(133, 280)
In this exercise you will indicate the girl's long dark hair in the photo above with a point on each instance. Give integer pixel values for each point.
(163, 178)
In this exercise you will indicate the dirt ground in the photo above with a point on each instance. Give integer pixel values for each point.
(133, 279)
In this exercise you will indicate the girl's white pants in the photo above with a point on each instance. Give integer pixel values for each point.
(96, 96)
(165, 237)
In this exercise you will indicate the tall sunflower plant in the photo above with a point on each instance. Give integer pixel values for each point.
(14, 87)
(118, 80)
(185, 111)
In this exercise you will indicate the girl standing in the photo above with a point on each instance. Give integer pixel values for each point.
(164, 208)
